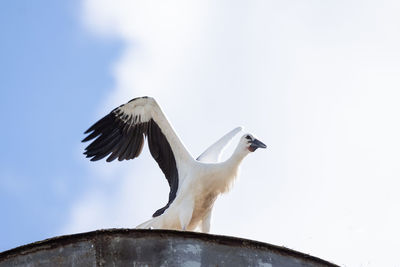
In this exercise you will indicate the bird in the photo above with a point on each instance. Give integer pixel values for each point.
(195, 183)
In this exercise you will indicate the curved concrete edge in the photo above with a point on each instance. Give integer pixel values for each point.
(64, 240)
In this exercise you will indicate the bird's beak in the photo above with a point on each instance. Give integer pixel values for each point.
(256, 144)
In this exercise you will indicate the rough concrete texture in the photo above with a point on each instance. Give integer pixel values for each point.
(125, 247)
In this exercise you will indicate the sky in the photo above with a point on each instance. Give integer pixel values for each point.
(317, 81)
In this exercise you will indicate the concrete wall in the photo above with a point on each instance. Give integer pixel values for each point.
(124, 247)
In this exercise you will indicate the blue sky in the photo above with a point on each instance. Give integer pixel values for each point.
(317, 81)
(53, 73)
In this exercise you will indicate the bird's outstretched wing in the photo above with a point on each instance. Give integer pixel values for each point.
(214, 152)
(121, 134)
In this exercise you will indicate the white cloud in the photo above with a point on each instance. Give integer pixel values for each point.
(317, 81)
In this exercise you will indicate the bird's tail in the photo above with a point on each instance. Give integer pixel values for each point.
(154, 223)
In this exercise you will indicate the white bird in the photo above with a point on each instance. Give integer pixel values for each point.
(194, 184)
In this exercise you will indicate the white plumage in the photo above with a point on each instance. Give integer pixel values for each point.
(194, 184)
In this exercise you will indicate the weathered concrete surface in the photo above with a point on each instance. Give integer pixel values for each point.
(127, 247)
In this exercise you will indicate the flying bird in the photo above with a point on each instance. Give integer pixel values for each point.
(194, 184)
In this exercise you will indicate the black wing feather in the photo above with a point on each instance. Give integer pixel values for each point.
(120, 135)
(162, 153)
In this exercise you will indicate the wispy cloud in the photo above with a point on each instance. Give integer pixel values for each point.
(318, 82)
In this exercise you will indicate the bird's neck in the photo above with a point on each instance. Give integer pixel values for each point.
(229, 170)
(237, 156)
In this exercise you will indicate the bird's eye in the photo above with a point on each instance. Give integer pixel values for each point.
(248, 137)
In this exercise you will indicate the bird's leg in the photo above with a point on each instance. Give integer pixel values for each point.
(205, 224)
(186, 211)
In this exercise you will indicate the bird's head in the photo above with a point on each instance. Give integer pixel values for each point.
(251, 143)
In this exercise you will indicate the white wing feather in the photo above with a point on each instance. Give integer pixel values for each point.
(214, 152)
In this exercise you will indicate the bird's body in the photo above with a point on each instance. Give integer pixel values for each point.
(191, 210)
(195, 183)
